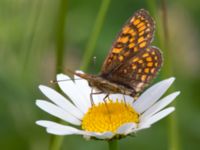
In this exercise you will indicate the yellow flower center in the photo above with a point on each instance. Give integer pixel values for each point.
(109, 116)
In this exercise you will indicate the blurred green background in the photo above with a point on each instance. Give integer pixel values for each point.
(30, 34)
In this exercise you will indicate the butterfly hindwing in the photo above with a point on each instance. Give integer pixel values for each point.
(139, 70)
(132, 62)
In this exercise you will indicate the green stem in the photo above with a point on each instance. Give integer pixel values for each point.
(113, 145)
(164, 44)
(56, 141)
(153, 10)
(94, 34)
(172, 121)
(60, 36)
(173, 133)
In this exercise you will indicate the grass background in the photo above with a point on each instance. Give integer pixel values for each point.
(33, 34)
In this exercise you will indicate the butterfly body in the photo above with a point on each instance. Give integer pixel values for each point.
(132, 62)
(103, 85)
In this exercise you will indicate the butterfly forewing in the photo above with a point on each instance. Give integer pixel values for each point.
(132, 62)
(139, 70)
(136, 35)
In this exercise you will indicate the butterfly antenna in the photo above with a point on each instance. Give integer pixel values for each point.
(69, 72)
(56, 81)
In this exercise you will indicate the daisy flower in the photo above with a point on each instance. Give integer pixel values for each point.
(120, 116)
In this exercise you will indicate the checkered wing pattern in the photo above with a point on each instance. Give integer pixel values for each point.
(139, 70)
(135, 36)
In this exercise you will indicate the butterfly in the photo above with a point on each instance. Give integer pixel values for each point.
(131, 62)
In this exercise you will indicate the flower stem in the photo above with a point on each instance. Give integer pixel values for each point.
(94, 34)
(113, 145)
(56, 141)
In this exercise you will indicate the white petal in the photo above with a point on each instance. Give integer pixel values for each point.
(71, 90)
(129, 99)
(126, 128)
(85, 88)
(57, 112)
(160, 115)
(141, 128)
(138, 127)
(61, 101)
(105, 135)
(121, 98)
(151, 95)
(98, 98)
(58, 129)
(58, 132)
(159, 105)
(143, 124)
(116, 97)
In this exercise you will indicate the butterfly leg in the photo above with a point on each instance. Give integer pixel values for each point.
(124, 98)
(91, 96)
(134, 95)
(104, 99)
(107, 96)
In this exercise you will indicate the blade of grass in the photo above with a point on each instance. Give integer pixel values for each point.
(94, 34)
(164, 44)
(172, 120)
(56, 141)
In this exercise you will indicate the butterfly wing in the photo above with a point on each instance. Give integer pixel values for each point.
(135, 36)
(139, 70)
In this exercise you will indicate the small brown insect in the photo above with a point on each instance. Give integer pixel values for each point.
(132, 62)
